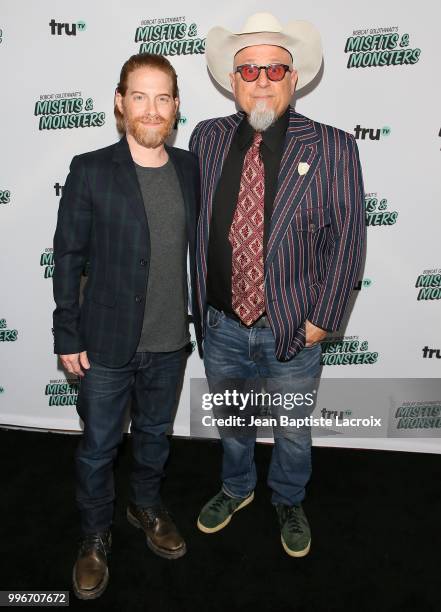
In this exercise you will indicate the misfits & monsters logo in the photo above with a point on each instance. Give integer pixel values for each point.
(62, 392)
(67, 111)
(48, 264)
(419, 415)
(7, 335)
(348, 350)
(5, 196)
(429, 285)
(377, 212)
(376, 47)
(169, 36)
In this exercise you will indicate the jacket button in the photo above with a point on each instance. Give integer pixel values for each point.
(312, 227)
(138, 298)
(143, 262)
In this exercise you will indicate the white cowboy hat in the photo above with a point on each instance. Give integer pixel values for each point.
(300, 38)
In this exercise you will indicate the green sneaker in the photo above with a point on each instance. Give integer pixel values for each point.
(295, 531)
(217, 513)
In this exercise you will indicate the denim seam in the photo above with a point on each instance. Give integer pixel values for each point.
(227, 492)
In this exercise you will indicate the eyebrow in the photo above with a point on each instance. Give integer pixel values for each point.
(144, 93)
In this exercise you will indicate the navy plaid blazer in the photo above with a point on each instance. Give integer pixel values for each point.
(317, 231)
(101, 219)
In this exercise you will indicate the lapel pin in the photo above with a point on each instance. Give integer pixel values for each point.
(303, 168)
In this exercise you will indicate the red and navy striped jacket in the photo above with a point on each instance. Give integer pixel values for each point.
(316, 238)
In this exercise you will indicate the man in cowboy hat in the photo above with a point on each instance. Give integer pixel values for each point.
(280, 243)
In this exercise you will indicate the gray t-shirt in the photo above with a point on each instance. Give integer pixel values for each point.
(165, 326)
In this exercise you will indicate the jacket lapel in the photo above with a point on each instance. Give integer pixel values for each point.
(217, 146)
(128, 181)
(212, 152)
(300, 146)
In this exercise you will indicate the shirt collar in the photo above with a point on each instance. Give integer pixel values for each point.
(273, 137)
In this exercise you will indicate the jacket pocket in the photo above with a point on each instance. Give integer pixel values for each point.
(311, 219)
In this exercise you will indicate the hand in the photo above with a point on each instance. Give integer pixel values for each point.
(74, 362)
(313, 334)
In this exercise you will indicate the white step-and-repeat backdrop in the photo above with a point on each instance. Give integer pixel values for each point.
(60, 63)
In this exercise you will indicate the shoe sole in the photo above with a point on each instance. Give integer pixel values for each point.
(204, 529)
(296, 553)
(156, 549)
(90, 593)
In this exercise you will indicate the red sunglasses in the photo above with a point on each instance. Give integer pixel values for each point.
(274, 72)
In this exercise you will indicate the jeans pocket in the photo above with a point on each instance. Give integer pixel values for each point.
(213, 317)
(312, 346)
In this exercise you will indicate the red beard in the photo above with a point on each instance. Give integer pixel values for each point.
(150, 135)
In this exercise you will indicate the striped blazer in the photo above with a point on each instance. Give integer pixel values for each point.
(317, 228)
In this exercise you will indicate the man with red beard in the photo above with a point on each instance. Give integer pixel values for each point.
(130, 210)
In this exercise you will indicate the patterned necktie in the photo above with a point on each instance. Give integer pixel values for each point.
(246, 239)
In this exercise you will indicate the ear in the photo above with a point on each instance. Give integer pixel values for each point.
(232, 76)
(294, 78)
(118, 102)
(176, 100)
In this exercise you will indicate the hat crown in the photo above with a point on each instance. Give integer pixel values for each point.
(261, 22)
(300, 38)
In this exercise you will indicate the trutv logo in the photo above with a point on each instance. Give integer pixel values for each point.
(362, 133)
(69, 29)
(430, 353)
(364, 283)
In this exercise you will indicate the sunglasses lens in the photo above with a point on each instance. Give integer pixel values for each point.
(276, 72)
(249, 72)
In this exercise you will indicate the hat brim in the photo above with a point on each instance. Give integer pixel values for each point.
(300, 38)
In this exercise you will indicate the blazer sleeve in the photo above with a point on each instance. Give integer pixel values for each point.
(71, 245)
(193, 144)
(347, 238)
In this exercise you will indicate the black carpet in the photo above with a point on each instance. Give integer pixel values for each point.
(375, 520)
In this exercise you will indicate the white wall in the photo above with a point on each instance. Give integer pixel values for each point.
(401, 168)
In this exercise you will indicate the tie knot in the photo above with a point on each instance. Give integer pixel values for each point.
(257, 139)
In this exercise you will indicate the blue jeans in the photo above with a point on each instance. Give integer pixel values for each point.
(153, 380)
(234, 352)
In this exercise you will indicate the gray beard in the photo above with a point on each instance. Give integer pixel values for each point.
(261, 118)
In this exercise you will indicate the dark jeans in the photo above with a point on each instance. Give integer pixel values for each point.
(234, 352)
(153, 379)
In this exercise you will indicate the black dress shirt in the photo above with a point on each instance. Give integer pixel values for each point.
(225, 201)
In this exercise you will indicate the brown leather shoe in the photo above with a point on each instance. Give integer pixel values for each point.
(90, 573)
(163, 538)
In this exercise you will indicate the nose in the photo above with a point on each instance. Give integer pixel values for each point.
(150, 107)
(263, 80)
